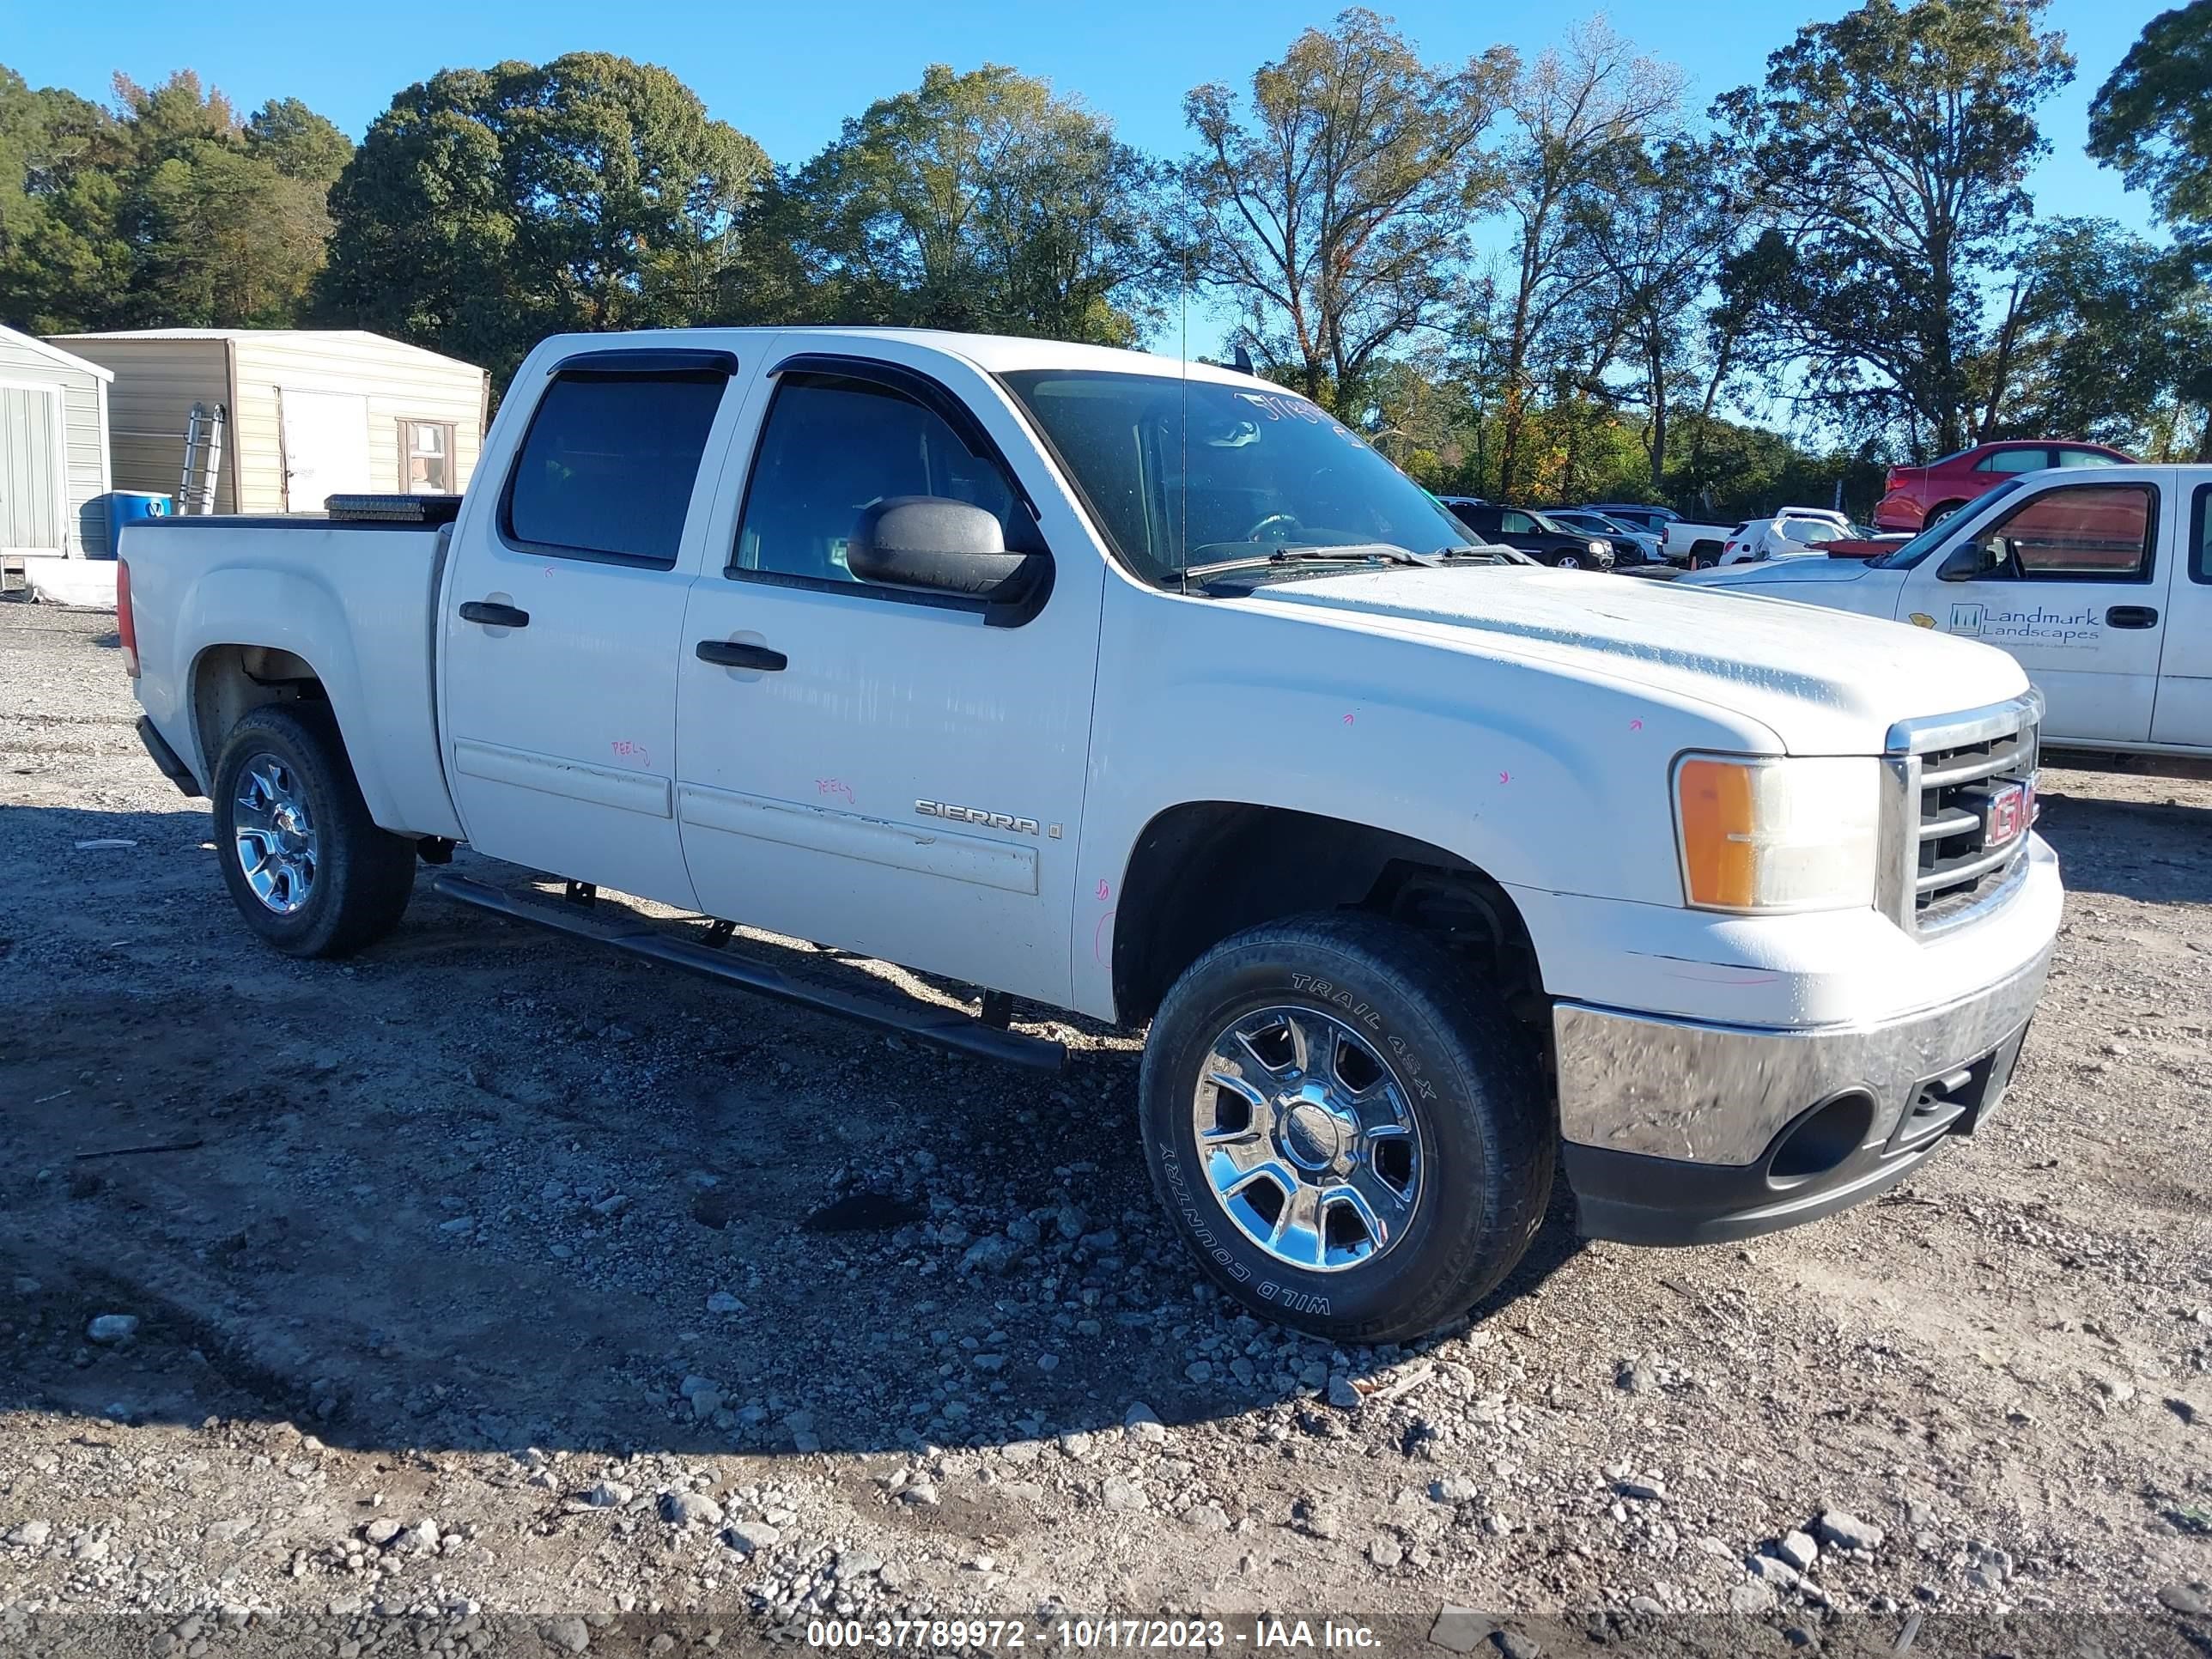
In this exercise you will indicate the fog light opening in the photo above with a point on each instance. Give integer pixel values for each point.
(1822, 1140)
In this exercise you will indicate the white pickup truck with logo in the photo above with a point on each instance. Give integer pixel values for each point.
(1154, 694)
(2097, 583)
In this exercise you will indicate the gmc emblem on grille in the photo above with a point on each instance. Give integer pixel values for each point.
(938, 809)
(2005, 816)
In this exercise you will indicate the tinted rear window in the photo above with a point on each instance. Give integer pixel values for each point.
(607, 467)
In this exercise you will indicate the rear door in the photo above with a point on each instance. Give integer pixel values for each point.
(30, 470)
(2077, 595)
(2184, 711)
(326, 436)
(563, 611)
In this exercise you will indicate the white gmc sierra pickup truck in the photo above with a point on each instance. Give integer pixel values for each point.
(1159, 695)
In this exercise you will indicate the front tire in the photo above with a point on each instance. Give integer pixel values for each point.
(305, 864)
(1348, 1137)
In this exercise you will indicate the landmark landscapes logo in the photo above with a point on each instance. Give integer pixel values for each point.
(2075, 629)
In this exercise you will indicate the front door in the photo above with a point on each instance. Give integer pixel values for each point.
(2076, 592)
(563, 613)
(888, 774)
(2184, 714)
(30, 470)
(325, 446)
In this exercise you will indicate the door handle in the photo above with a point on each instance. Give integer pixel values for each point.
(2132, 616)
(732, 653)
(494, 616)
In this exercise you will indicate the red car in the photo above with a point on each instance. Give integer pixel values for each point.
(1916, 496)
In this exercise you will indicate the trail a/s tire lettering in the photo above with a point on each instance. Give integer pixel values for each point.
(1328, 991)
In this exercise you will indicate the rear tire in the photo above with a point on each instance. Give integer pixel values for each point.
(1937, 515)
(1458, 1168)
(305, 864)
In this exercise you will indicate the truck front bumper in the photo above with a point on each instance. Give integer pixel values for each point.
(1687, 1131)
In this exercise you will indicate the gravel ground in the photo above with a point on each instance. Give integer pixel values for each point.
(491, 1292)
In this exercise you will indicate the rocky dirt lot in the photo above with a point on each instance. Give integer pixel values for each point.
(491, 1292)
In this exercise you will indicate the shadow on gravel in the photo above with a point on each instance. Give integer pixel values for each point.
(484, 1188)
(2157, 853)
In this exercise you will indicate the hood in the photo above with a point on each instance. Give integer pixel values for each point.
(1777, 573)
(1825, 681)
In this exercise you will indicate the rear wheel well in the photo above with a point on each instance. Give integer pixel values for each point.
(231, 681)
(1207, 869)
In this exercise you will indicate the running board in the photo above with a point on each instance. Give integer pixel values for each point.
(625, 930)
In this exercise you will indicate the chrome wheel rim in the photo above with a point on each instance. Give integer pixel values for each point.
(1308, 1138)
(1569, 562)
(273, 834)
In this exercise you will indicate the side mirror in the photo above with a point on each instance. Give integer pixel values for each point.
(1963, 563)
(928, 544)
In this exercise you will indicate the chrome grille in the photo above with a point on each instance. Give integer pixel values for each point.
(1937, 868)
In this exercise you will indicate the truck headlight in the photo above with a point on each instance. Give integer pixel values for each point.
(1789, 834)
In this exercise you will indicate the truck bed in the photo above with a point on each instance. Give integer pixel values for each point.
(354, 600)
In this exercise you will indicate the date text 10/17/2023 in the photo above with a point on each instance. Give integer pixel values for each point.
(1257, 1634)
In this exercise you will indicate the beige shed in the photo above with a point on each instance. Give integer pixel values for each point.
(305, 413)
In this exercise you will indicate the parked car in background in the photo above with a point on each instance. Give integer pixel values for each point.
(2100, 583)
(1793, 532)
(1631, 546)
(1916, 498)
(1532, 533)
(1681, 541)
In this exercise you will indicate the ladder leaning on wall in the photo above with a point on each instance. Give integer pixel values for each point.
(203, 458)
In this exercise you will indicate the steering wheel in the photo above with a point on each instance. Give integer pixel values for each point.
(1289, 521)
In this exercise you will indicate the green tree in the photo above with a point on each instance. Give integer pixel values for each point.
(2115, 341)
(1681, 206)
(62, 259)
(1894, 144)
(298, 142)
(167, 210)
(1581, 118)
(980, 201)
(223, 234)
(2153, 118)
(1333, 206)
(488, 208)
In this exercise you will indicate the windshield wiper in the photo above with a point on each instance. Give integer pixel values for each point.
(1377, 553)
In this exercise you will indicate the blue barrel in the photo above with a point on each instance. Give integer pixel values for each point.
(128, 507)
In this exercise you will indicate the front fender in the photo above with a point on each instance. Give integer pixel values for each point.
(1539, 775)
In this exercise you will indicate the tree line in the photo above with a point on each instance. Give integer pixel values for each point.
(1532, 278)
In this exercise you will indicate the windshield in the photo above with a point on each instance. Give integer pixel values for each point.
(1180, 474)
(1928, 540)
